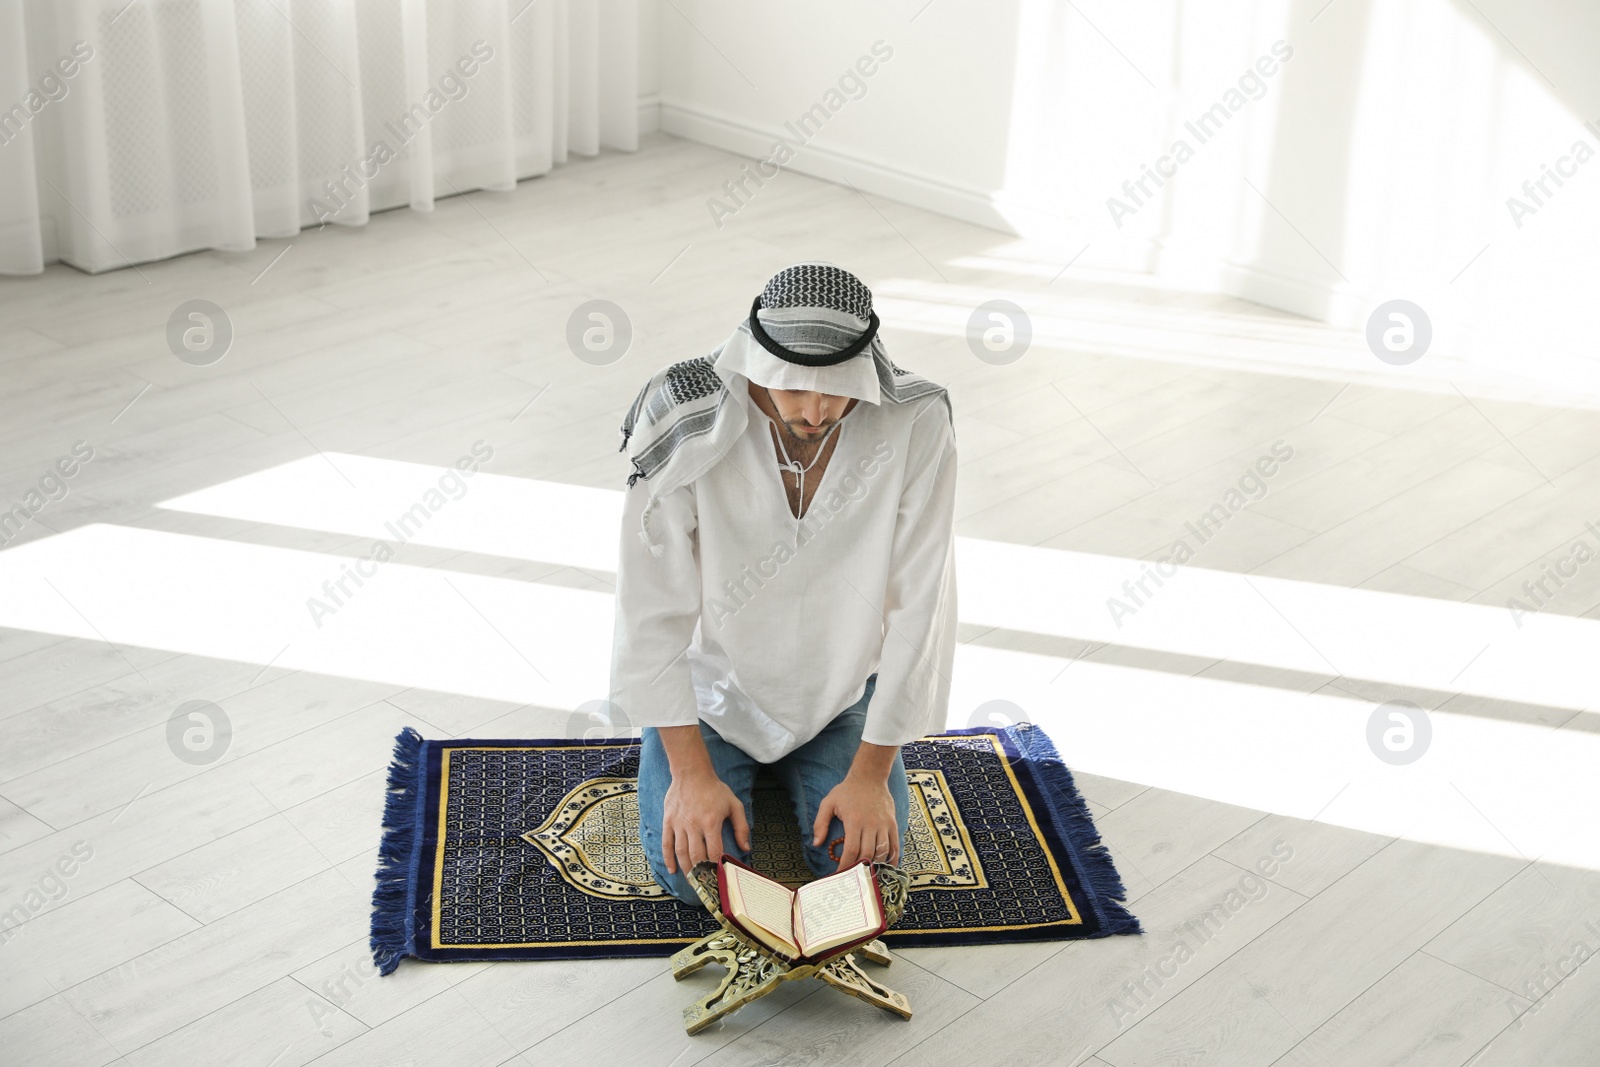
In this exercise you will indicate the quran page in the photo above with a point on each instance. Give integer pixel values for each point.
(835, 910)
(764, 903)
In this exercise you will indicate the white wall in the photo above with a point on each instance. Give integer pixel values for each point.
(929, 125)
(1376, 162)
(649, 66)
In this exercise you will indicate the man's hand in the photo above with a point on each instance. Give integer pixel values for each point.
(863, 803)
(696, 805)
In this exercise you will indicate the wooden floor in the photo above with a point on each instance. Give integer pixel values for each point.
(178, 913)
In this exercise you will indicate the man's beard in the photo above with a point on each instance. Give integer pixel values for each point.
(807, 438)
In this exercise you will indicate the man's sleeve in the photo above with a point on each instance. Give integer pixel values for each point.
(657, 606)
(913, 690)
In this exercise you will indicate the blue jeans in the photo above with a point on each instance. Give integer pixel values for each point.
(809, 773)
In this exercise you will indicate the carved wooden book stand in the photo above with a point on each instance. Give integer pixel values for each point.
(754, 970)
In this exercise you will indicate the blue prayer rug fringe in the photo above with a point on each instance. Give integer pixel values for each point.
(393, 901)
(1071, 813)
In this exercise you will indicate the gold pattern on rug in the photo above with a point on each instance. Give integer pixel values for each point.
(592, 839)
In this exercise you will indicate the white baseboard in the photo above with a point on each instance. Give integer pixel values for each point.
(833, 164)
(1315, 298)
(650, 113)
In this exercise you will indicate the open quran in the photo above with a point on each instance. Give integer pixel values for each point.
(821, 918)
(770, 934)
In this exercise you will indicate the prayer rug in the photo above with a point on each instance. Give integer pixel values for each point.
(521, 850)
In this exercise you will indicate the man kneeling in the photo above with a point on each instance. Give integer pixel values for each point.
(786, 582)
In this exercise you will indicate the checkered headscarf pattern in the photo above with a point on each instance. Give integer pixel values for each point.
(818, 285)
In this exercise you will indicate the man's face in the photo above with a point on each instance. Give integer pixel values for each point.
(808, 415)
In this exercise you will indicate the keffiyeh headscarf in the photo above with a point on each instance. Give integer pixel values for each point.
(812, 328)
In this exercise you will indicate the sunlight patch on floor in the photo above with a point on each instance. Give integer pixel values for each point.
(1485, 783)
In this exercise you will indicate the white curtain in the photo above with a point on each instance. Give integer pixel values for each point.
(133, 130)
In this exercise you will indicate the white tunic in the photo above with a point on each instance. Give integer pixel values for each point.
(783, 618)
